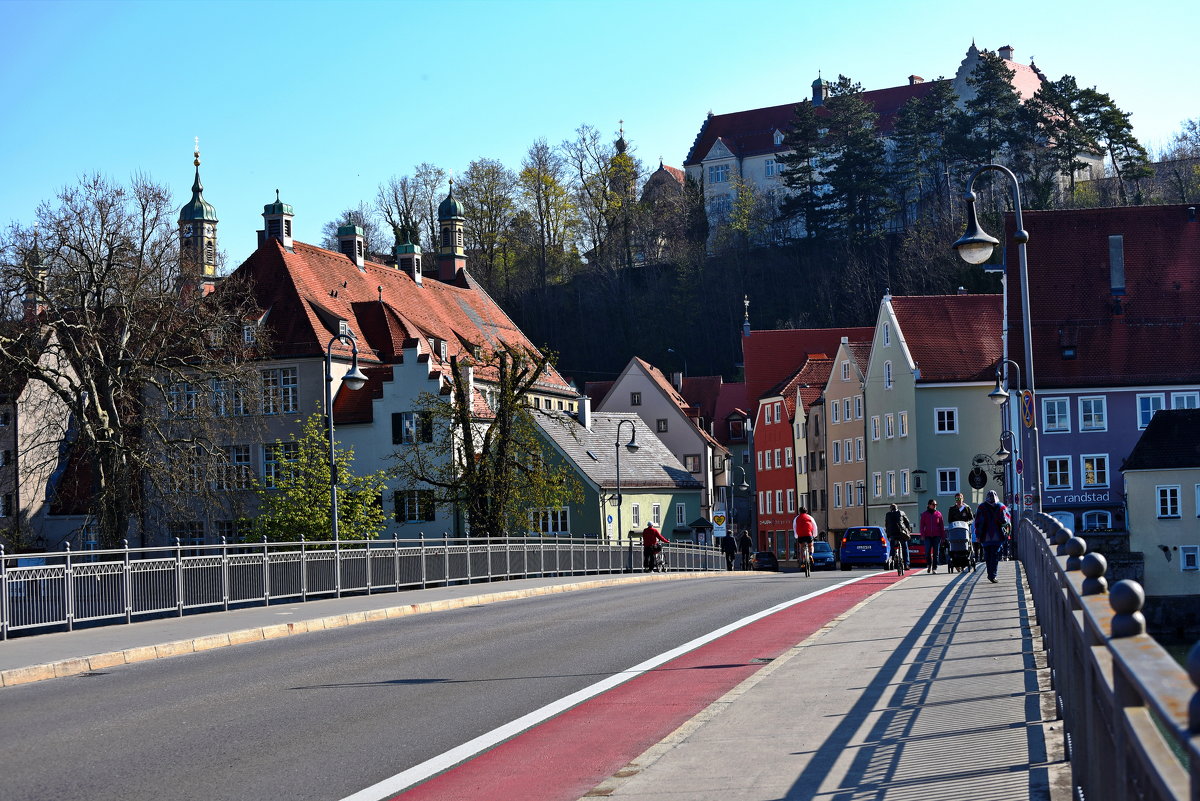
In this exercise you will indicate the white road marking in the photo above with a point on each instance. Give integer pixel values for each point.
(443, 762)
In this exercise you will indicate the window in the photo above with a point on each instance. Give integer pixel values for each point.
(778, 411)
(656, 514)
(248, 336)
(1097, 520)
(891, 483)
(551, 521)
(858, 449)
(791, 499)
(889, 426)
(845, 371)
(1168, 501)
(835, 412)
(721, 206)
(232, 530)
(778, 139)
(1189, 557)
(768, 499)
(412, 427)
(847, 449)
(692, 462)
(181, 401)
(279, 390)
(945, 421)
(947, 480)
(904, 488)
(660, 425)
(861, 491)
(1185, 400)
(237, 470)
(887, 334)
(1094, 470)
(769, 168)
(1147, 405)
(1092, 414)
(837, 496)
(718, 174)
(779, 501)
(888, 381)
(5, 458)
(637, 515)
(767, 414)
(902, 422)
(849, 493)
(6, 505)
(858, 409)
(227, 400)
(846, 409)
(343, 328)
(737, 430)
(761, 505)
(189, 532)
(837, 452)
(787, 457)
(680, 514)
(759, 455)
(1056, 417)
(416, 506)
(875, 428)
(877, 484)
(1058, 472)
(635, 399)
(276, 456)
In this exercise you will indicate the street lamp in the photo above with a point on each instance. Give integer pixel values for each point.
(353, 380)
(1003, 454)
(632, 447)
(976, 246)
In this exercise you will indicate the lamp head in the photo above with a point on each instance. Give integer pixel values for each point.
(1003, 454)
(355, 379)
(975, 246)
(743, 487)
(631, 446)
(998, 395)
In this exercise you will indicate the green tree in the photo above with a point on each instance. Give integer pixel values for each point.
(1113, 131)
(989, 128)
(1179, 164)
(799, 170)
(492, 464)
(925, 158)
(295, 502)
(488, 191)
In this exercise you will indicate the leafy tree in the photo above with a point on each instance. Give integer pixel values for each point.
(374, 236)
(488, 191)
(493, 465)
(989, 123)
(114, 346)
(296, 503)
(1057, 109)
(926, 156)
(546, 199)
(799, 170)
(1112, 130)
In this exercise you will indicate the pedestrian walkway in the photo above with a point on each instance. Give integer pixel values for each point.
(934, 688)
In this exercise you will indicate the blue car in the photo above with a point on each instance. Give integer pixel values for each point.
(822, 556)
(865, 545)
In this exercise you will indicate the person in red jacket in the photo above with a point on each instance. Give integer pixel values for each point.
(933, 533)
(804, 529)
(650, 545)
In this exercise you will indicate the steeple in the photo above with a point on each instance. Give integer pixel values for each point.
(452, 254)
(35, 287)
(277, 217)
(198, 234)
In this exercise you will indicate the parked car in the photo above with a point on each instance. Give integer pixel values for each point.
(865, 545)
(764, 560)
(822, 556)
(916, 553)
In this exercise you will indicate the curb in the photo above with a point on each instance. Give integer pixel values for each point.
(75, 666)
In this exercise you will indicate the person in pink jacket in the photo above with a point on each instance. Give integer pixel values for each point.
(933, 534)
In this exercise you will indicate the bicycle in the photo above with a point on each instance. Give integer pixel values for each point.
(896, 560)
(805, 558)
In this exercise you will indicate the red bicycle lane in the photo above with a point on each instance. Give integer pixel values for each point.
(569, 754)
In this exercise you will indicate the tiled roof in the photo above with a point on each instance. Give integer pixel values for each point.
(597, 390)
(1170, 442)
(594, 451)
(675, 396)
(751, 133)
(808, 382)
(772, 356)
(731, 401)
(1152, 337)
(355, 405)
(951, 337)
(307, 290)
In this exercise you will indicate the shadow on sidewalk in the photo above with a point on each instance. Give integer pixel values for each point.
(939, 732)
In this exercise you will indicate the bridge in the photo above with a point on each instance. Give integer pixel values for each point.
(1043, 685)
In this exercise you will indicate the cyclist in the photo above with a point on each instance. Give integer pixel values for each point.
(805, 529)
(899, 531)
(650, 545)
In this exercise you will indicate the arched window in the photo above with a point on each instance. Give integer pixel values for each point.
(1097, 520)
(887, 375)
(446, 237)
(887, 334)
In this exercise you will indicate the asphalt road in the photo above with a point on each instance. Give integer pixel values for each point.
(324, 715)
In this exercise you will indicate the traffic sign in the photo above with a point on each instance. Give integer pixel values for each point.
(1020, 466)
(1028, 500)
(1027, 411)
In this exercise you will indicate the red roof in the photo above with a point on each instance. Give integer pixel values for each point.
(750, 133)
(808, 382)
(772, 356)
(1148, 335)
(951, 337)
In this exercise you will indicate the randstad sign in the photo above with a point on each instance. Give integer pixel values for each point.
(1104, 496)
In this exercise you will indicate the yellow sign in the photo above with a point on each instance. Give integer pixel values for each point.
(718, 520)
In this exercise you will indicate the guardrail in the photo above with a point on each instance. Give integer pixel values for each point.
(65, 588)
(1131, 716)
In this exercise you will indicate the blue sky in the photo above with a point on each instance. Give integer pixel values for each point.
(325, 101)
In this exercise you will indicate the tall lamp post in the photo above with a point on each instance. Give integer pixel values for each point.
(632, 447)
(975, 246)
(742, 487)
(1000, 396)
(353, 380)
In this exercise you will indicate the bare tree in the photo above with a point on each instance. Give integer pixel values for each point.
(430, 181)
(488, 191)
(546, 198)
(376, 239)
(399, 203)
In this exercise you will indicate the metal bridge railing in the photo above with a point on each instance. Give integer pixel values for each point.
(1131, 714)
(63, 588)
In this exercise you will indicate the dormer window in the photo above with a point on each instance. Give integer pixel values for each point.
(442, 349)
(343, 328)
(778, 138)
(248, 335)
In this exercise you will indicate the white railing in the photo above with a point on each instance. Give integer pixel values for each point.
(1131, 716)
(64, 588)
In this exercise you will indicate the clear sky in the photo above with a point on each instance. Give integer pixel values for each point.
(325, 101)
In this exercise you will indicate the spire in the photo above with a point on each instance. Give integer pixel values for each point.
(621, 144)
(197, 209)
(198, 234)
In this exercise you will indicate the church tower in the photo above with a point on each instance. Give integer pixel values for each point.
(452, 254)
(198, 236)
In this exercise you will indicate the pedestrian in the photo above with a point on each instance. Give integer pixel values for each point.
(744, 545)
(651, 539)
(729, 548)
(899, 530)
(961, 513)
(991, 521)
(933, 534)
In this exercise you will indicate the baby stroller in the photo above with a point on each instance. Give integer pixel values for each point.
(962, 555)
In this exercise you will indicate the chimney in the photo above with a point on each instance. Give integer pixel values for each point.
(1191, 213)
(1116, 270)
(1006, 52)
(913, 80)
(350, 244)
(408, 255)
(962, 290)
(677, 381)
(585, 411)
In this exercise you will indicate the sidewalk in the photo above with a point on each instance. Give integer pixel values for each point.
(46, 656)
(934, 688)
